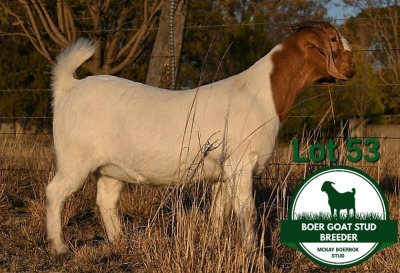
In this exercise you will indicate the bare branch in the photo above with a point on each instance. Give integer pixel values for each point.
(95, 14)
(140, 34)
(48, 24)
(60, 17)
(146, 25)
(69, 22)
(112, 45)
(145, 11)
(106, 6)
(38, 46)
(40, 24)
(38, 35)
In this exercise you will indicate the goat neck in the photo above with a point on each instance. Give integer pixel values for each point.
(291, 74)
(297, 63)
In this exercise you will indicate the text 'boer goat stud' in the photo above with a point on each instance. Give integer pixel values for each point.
(127, 131)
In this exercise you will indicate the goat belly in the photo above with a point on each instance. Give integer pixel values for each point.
(134, 177)
(121, 174)
(163, 176)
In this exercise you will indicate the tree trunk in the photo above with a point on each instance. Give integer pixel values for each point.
(164, 62)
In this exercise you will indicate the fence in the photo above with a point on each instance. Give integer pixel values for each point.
(27, 162)
(21, 139)
(27, 142)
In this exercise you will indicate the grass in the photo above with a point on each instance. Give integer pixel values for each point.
(327, 216)
(165, 230)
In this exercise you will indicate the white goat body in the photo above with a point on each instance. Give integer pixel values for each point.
(127, 131)
(141, 134)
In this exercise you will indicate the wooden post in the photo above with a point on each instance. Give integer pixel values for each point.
(160, 71)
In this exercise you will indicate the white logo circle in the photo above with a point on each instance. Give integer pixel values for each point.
(338, 204)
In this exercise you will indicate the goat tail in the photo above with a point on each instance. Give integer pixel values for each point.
(67, 63)
(354, 191)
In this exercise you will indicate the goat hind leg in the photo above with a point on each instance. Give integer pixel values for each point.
(108, 192)
(57, 192)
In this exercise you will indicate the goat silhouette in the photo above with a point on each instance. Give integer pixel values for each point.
(339, 201)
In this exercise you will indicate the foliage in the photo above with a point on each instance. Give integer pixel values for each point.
(376, 29)
(221, 38)
(226, 37)
(243, 32)
(374, 91)
(119, 28)
(25, 80)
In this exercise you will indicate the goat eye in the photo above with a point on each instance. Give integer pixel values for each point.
(333, 40)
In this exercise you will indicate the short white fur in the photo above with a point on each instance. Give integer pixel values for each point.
(127, 131)
(122, 130)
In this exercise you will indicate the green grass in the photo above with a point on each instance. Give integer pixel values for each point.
(327, 216)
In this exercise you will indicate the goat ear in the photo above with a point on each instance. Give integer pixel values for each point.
(322, 44)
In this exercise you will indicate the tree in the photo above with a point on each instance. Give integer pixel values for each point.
(376, 30)
(221, 37)
(164, 61)
(24, 82)
(225, 37)
(119, 28)
(382, 21)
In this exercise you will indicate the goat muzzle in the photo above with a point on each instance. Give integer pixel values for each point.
(346, 65)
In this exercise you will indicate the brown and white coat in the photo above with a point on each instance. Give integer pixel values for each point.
(127, 131)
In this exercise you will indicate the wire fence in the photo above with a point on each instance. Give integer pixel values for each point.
(24, 146)
(28, 147)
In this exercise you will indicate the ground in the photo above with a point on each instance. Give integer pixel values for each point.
(165, 230)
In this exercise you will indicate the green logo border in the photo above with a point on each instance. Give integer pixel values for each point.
(378, 245)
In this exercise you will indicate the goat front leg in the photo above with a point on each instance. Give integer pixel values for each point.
(221, 206)
(108, 192)
(244, 204)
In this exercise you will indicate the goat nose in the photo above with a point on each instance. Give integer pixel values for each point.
(351, 71)
(349, 68)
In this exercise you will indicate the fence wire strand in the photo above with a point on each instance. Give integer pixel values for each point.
(16, 135)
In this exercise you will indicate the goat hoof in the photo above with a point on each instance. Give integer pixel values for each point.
(263, 261)
(59, 248)
(259, 260)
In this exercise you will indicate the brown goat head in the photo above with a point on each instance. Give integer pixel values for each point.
(321, 40)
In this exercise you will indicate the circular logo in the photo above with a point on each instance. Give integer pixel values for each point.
(338, 218)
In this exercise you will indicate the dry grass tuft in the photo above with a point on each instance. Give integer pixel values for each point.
(165, 230)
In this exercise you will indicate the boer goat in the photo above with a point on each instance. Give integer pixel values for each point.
(338, 201)
(127, 131)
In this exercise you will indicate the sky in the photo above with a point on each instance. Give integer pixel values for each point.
(337, 10)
